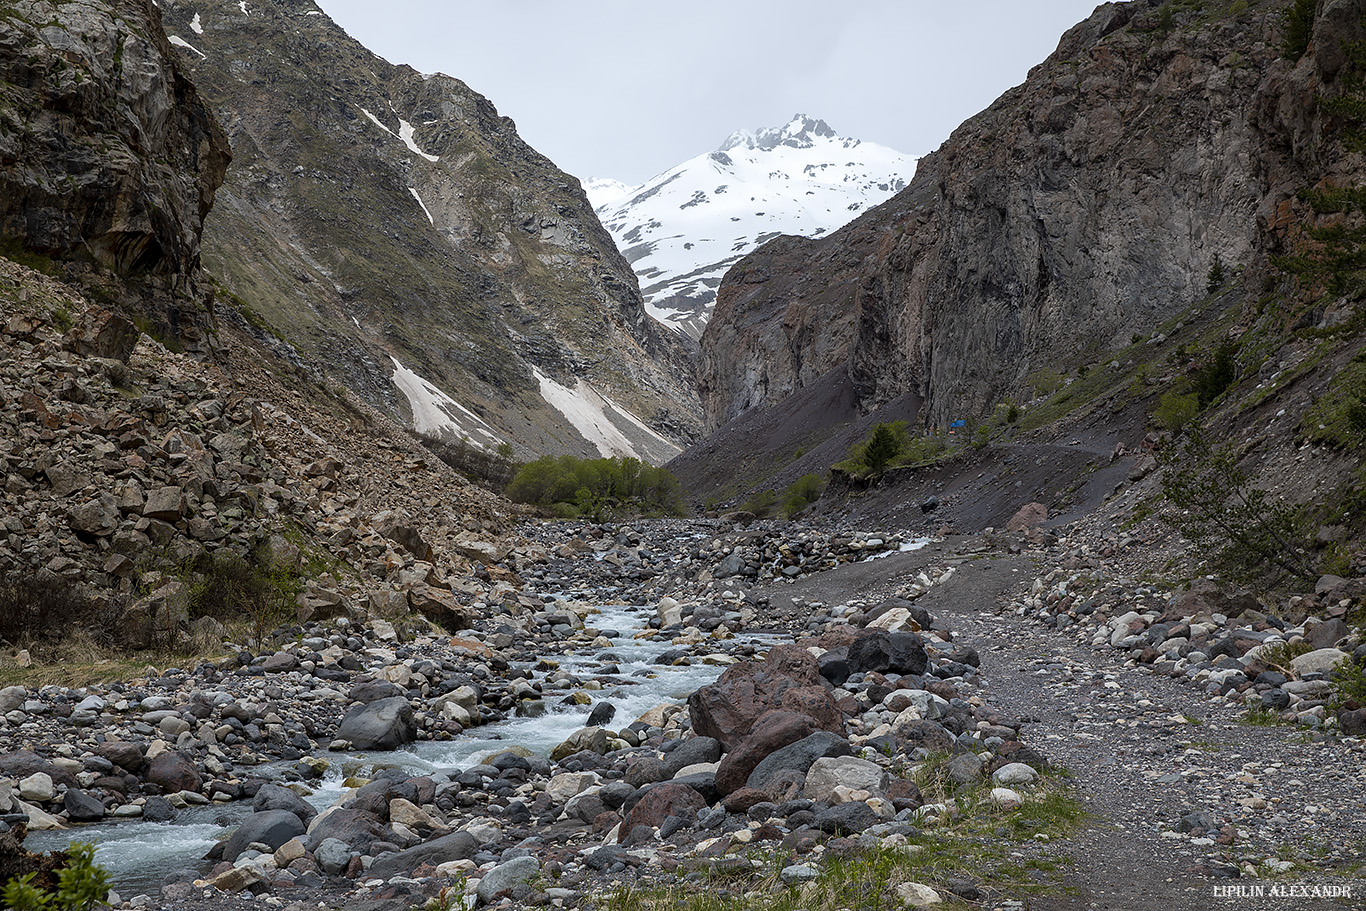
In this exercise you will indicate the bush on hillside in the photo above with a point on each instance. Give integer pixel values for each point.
(761, 503)
(802, 493)
(888, 445)
(492, 469)
(1298, 20)
(1248, 532)
(596, 488)
(36, 613)
(1174, 410)
(1215, 375)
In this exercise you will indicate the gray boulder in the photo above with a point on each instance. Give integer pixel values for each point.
(797, 757)
(505, 876)
(456, 846)
(82, 807)
(272, 828)
(829, 772)
(333, 855)
(691, 752)
(385, 724)
(276, 797)
(846, 819)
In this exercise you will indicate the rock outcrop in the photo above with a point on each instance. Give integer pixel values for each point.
(1071, 217)
(108, 159)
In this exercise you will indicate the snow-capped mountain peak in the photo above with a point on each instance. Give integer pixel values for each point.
(682, 229)
(801, 132)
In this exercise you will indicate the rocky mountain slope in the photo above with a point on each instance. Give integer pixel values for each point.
(683, 229)
(394, 232)
(1079, 211)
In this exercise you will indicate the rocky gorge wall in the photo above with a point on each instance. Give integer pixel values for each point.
(1079, 211)
(108, 159)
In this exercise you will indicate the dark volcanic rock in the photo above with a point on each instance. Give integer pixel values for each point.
(691, 752)
(275, 797)
(797, 757)
(82, 807)
(879, 650)
(773, 731)
(846, 818)
(355, 828)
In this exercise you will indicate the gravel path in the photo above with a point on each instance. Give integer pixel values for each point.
(1145, 751)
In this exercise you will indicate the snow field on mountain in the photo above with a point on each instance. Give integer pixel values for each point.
(595, 417)
(437, 415)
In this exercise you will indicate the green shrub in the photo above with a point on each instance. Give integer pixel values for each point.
(760, 503)
(1298, 22)
(884, 444)
(1349, 685)
(1338, 417)
(802, 493)
(1248, 532)
(1215, 375)
(231, 588)
(1174, 411)
(598, 488)
(1215, 279)
(81, 885)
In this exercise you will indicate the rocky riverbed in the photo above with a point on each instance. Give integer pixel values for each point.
(794, 746)
(346, 761)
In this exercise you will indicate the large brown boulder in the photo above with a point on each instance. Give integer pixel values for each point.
(173, 771)
(440, 607)
(102, 334)
(788, 678)
(1206, 597)
(775, 730)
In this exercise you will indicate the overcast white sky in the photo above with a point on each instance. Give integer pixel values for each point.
(629, 88)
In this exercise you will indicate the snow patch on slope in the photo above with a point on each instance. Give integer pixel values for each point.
(196, 26)
(404, 135)
(681, 230)
(181, 42)
(437, 415)
(423, 205)
(593, 416)
(405, 132)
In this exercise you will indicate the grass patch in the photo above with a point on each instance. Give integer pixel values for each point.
(1258, 717)
(1000, 852)
(1338, 417)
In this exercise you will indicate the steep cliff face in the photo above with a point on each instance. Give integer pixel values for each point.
(107, 155)
(397, 232)
(1079, 211)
